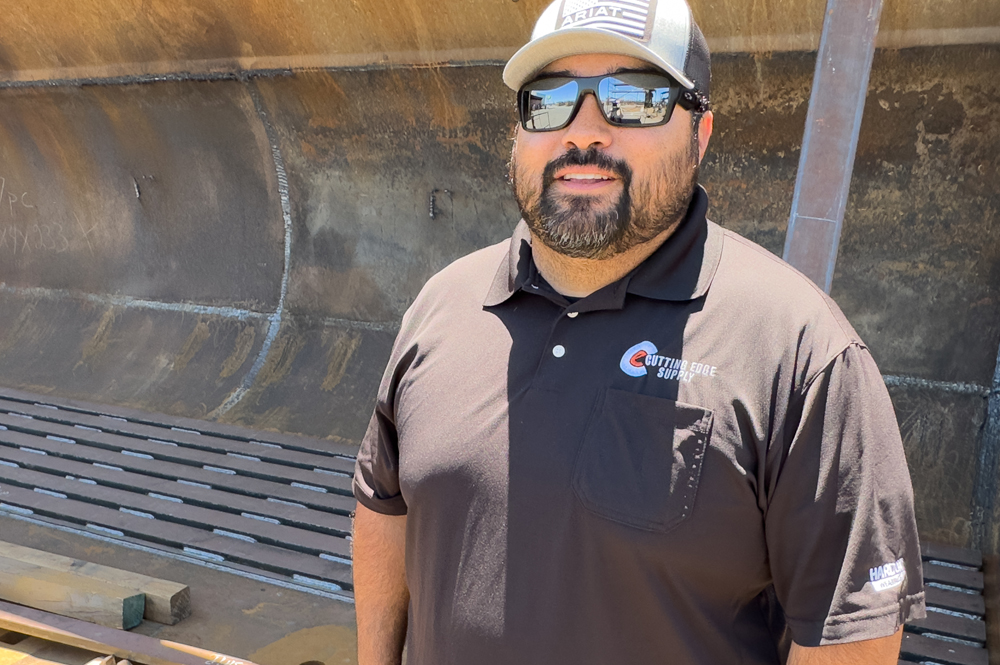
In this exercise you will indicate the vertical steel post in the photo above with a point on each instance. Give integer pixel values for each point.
(840, 86)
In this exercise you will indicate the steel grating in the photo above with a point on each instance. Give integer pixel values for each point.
(272, 503)
(954, 632)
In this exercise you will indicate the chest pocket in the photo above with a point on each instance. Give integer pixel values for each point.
(641, 460)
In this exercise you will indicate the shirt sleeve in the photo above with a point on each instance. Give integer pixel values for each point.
(841, 535)
(376, 473)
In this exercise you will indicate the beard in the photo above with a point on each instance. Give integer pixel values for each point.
(588, 227)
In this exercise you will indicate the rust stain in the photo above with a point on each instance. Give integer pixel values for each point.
(241, 349)
(20, 329)
(280, 359)
(99, 341)
(192, 345)
(340, 358)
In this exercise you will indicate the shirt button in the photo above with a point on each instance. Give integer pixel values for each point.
(558, 350)
(573, 315)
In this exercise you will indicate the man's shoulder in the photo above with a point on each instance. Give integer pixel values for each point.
(466, 280)
(775, 296)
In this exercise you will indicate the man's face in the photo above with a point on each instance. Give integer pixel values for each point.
(591, 190)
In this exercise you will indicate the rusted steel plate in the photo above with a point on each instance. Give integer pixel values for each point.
(119, 190)
(93, 38)
(129, 355)
(364, 151)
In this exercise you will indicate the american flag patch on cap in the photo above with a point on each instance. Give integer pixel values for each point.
(632, 18)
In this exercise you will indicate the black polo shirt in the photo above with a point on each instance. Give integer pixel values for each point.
(658, 472)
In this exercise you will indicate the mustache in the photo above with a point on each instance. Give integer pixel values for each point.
(589, 157)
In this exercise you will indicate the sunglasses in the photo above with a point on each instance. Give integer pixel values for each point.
(626, 99)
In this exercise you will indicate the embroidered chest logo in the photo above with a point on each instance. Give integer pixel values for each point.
(888, 575)
(644, 357)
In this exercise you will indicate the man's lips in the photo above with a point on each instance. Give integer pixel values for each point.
(585, 179)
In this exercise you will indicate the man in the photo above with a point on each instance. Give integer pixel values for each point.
(627, 435)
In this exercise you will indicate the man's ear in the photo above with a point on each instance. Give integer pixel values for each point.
(704, 133)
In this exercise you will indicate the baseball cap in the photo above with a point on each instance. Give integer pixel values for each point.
(661, 32)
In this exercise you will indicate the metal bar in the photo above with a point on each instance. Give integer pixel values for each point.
(840, 86)
(85, 635)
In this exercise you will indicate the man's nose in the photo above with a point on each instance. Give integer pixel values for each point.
(589, 128)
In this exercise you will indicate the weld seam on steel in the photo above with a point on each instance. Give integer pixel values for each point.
(133, 303)
(988, 464)
(274, 320)
(180, 557)
(362, 325)
(942, 386)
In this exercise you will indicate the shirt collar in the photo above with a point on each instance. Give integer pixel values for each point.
(681, 269)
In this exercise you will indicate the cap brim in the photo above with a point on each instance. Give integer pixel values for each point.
(537, 54)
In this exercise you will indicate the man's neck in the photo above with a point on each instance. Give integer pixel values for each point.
(578, 278)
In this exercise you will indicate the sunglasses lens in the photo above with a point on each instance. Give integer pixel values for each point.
(638, 100)
(548, 104)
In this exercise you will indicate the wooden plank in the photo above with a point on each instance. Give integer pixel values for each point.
(70, 594)
(252, 468)
(333, 502)
(171, 490)
(959, 577)
(310, 542)
(36, 651)
(956, 601)
(196, 542)
(208, 442)
(132, 646)
(921, 647)
(166, 602)
(243, 433)
(962, 628)
(959, 555)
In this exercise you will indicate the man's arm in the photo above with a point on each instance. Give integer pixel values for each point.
(881, 651)
(381, 597)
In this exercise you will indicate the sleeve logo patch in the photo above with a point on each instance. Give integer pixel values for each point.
(887, 576)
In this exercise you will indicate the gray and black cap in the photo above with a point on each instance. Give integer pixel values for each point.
(661, 32)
